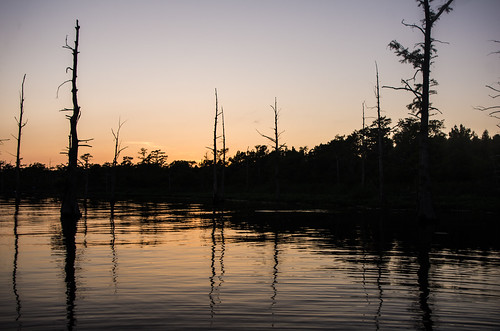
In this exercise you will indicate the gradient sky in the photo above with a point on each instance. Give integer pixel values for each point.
(156, 64)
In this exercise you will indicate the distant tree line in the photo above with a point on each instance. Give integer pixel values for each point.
(463, 164)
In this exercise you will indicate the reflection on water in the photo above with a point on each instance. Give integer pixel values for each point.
(14, 268)
(68, 238)
(164, 266)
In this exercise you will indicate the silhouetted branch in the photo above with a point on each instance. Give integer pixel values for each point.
(263, 135)
(69, 208)
(444, 8)
(84, 141)
(496, 52)
(57, 93)
(494, 89)
(413, 26)
(118, 148)
(481, 108)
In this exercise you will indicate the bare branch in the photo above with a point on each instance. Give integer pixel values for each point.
(263, 135)
(441, 42)
(494, 89)
(57, 93)
(413, 26)
(481, 108)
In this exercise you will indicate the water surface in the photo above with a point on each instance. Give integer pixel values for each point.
(183, 266)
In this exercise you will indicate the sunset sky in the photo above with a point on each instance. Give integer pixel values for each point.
(155, 65)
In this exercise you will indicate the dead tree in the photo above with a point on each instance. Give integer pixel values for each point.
(276, 146)
(421, 60)
(69, 207)
(363, 149)
(380, 144)
(215, 196)
(116, 138)
(493, 111)
(86, 165)
(20, 126)
(224, 150)
(118, 150)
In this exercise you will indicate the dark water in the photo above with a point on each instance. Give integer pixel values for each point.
(173, 266)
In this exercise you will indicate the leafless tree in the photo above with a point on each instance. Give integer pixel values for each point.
(116, 138)
(421, 59)
(380, 143)
(363, 148)
(223, 152)
(86, 165)
(118, 150)
(492, 111)
(276, 145)
(20, 125)
(216, 196)
(69, 207)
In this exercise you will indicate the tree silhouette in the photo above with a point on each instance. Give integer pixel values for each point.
(421, 59)
(363, 149)
(223, 152)
(493, 111)
(69, 207)
(20, 126)
(116, 138)
(215, 194)
(86, 165)
(276, 145)
(380, 144)
(118, 150)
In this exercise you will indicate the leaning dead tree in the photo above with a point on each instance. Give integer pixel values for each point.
(276, 146)
(69, 207)
(421, 59)
(20, 126)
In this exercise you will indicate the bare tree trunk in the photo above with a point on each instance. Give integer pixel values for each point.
(223, 156)
(421, 61)
(276, 150)
(214, 150)
(69, 208)
(277, 147)
(118, 150)
(20, 126)
(425, 208)
(380, 146)
(363, 154)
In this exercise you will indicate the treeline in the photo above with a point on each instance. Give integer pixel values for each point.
(344, 170)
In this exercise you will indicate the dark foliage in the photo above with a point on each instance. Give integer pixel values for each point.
(465, 167)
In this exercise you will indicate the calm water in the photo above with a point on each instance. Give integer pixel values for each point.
(174, 266)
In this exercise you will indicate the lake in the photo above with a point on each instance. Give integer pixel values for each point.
(160, 266)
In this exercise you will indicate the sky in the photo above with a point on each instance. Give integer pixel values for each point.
(156, 64)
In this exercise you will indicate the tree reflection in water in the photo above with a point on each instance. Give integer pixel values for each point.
(114, 257)
(264, 269)
(69, 227)
(425, 232)
(214, 294)
(14, 269)
(275, 274)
